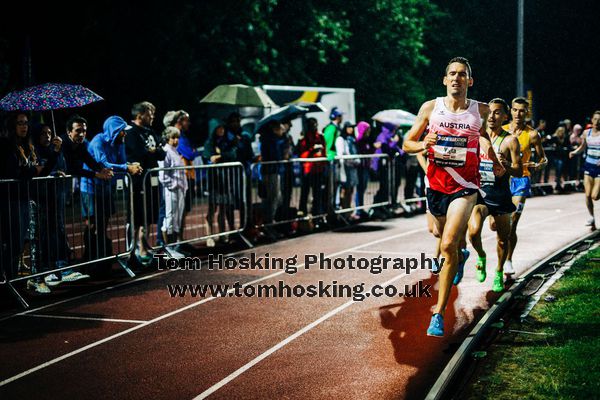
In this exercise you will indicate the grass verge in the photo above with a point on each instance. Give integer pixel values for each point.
(559, 356)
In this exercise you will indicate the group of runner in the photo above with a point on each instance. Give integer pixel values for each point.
(477, 165)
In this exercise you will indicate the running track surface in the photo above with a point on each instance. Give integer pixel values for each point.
(136, 342)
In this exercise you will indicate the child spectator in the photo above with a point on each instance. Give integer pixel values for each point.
(175, 186)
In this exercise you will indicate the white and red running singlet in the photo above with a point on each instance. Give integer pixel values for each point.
(454, 160)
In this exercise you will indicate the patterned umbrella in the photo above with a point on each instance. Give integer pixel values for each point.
(49, 96)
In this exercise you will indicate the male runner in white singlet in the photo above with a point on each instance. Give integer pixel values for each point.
(455, 124)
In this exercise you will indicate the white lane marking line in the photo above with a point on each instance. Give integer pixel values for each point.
(189, 306)
(493, 236)
(282, 344)
(128, 321)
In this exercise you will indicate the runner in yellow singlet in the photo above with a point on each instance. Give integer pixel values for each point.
(521, 187)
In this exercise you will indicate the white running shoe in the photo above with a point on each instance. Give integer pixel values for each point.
(590, 222)
(508, 268)
(74, 276)
(174, 253)
(52, 280)
(39, 287)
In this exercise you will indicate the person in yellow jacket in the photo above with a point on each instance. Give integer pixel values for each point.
(521, 187)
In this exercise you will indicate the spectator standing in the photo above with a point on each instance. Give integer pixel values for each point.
(561, 147)
(220, 147)
(388, 142)
(364, 146)
(245, 155)
(286, 144)
(181, 120)
(345, 145)
(271, 150)
(18, 161)
(175, 185)
(142, 147)
(50, 197)
(312, 145)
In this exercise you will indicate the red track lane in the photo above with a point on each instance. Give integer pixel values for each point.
(269, 348)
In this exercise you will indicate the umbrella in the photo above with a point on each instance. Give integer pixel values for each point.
(240, 96)
(49, 96)
(312, 107)
(395, 117)
(288, 112)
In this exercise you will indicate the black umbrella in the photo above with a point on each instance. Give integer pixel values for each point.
(288, 112)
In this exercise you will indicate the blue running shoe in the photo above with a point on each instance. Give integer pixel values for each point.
(436, 326)
(461, 266)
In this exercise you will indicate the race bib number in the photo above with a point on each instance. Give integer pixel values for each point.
(593, 152)
(450, 151)
(487, 172)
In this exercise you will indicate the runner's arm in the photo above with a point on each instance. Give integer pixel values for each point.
(514, 168)
(413, 144)
(536, 142)
(579, 148)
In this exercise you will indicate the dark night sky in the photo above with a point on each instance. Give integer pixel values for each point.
(561, 41)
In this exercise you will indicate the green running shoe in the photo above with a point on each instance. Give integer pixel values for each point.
(481, 274)
(498, 285)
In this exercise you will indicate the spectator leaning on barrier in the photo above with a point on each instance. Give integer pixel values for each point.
(175, 185)
(312, 145)
(142, 146)
(76, 153)
(97, 194)
(220, 147)
(18, 161)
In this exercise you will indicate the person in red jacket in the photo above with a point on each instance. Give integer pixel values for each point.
(312, 145)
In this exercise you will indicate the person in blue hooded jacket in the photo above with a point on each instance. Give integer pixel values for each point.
(108, 149)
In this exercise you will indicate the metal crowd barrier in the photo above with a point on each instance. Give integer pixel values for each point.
(48, 228)
(213, 206)
(289, 190)
(410, 180)
(357, 189)
(304, 189)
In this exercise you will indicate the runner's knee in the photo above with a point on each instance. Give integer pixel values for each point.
(449, 246)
